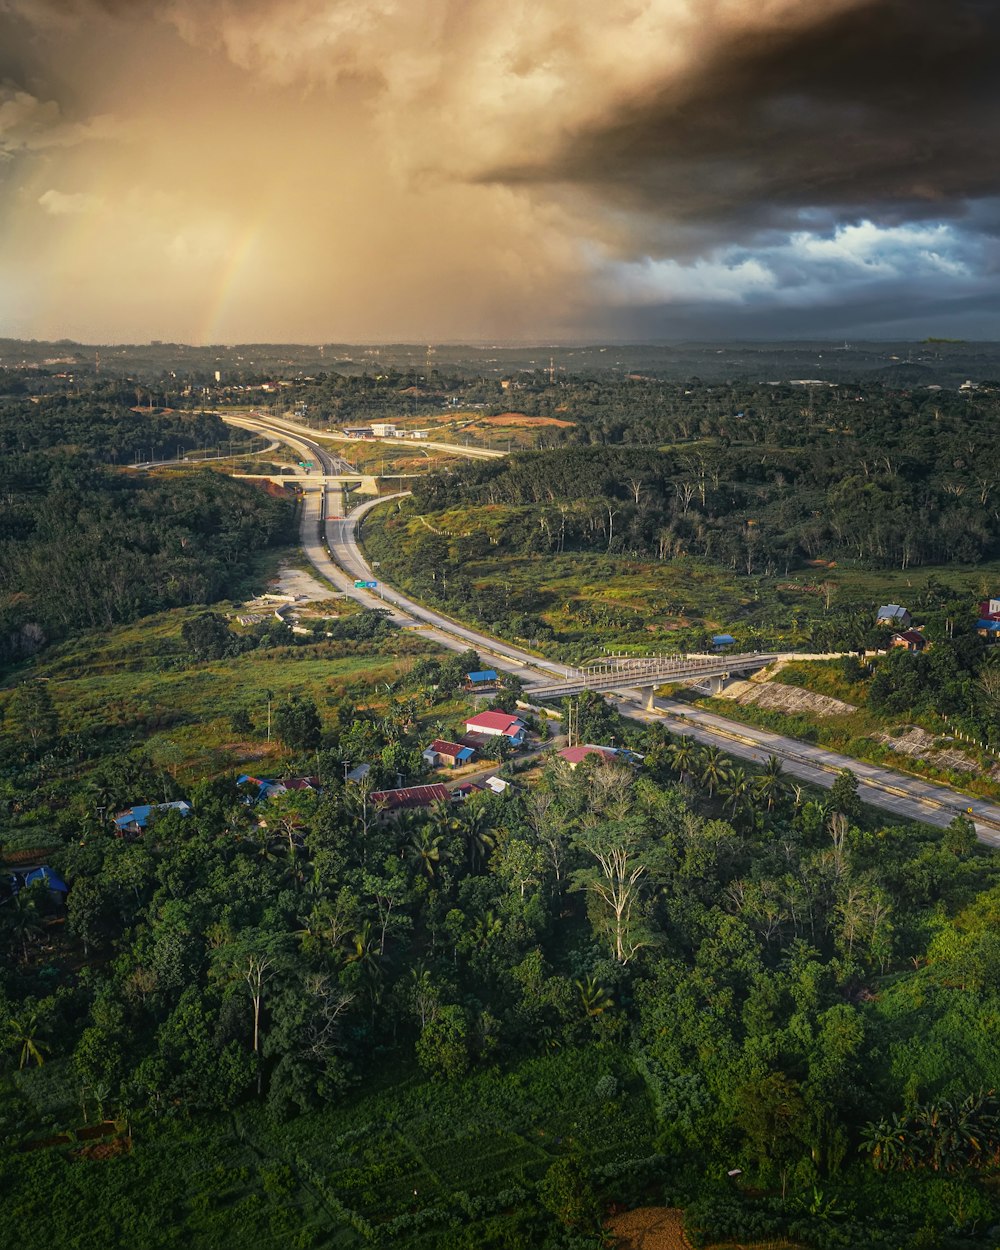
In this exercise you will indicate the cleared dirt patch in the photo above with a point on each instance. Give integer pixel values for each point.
(649, 1228)
(662, 1228)
(521, 419)
(300, 584)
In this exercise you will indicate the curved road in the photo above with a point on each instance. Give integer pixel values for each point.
(337, 556)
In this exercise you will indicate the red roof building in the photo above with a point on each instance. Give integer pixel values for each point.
(449, 754)
(497, 725)
(576, 755)
(910, 639)
(409, 797)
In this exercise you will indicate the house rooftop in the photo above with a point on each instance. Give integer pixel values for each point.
(499, 722)
(410, 796)
(139, 816)
(442, 747)
(573, 755)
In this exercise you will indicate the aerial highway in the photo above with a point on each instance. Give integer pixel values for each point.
(337, 555)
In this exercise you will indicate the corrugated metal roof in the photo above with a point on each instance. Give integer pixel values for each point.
(411, 796)
(573, 755)
(502, 722)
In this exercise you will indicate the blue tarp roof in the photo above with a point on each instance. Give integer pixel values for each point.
(487, 674)
(992, 626)
(140, 815)
(51, 879)
(722, 640)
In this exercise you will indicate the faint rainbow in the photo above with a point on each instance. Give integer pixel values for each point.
(229, 277)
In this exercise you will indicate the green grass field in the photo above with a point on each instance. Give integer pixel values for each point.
(139, 683)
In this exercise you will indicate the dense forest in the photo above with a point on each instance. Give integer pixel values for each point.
(84, 546)
(752, 479)
(717, 970)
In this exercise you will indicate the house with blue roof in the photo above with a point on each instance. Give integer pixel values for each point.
(267, 789)
(137, 819)
(721, 641)
(25, 877)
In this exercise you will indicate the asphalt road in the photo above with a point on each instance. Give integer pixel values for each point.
(339, 559)
(909, 798)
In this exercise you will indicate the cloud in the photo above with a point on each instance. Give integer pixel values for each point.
(441, 166)
(30, 124)
(68, 204)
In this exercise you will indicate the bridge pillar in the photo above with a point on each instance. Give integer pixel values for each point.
(651, 701)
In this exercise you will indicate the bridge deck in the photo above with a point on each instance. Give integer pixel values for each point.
(633, 674)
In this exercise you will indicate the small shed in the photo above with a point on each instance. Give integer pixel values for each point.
(721, 641)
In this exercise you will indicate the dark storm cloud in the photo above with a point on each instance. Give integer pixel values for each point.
(540, 167)
(887, 111)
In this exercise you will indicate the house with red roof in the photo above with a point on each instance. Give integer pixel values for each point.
(408, 797)
(443, 754)
(910, 640)
(497, 725)
(576, 755)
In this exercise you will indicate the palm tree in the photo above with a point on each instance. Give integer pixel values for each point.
(684, 755)
(771, 784)
(713, 769)
(736, 789)
(23, 1032)
(594, 998)
(475, 828)
(425, 852)
(22, 918)
(265, 844)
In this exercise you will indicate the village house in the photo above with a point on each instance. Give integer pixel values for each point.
(442, 754)
(910, 640)
(574, 756)
(893, 615)
(409, 797)
(137, 819)
(269, 789)
(498, 725)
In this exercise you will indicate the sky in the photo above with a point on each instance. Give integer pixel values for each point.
(212, 171)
